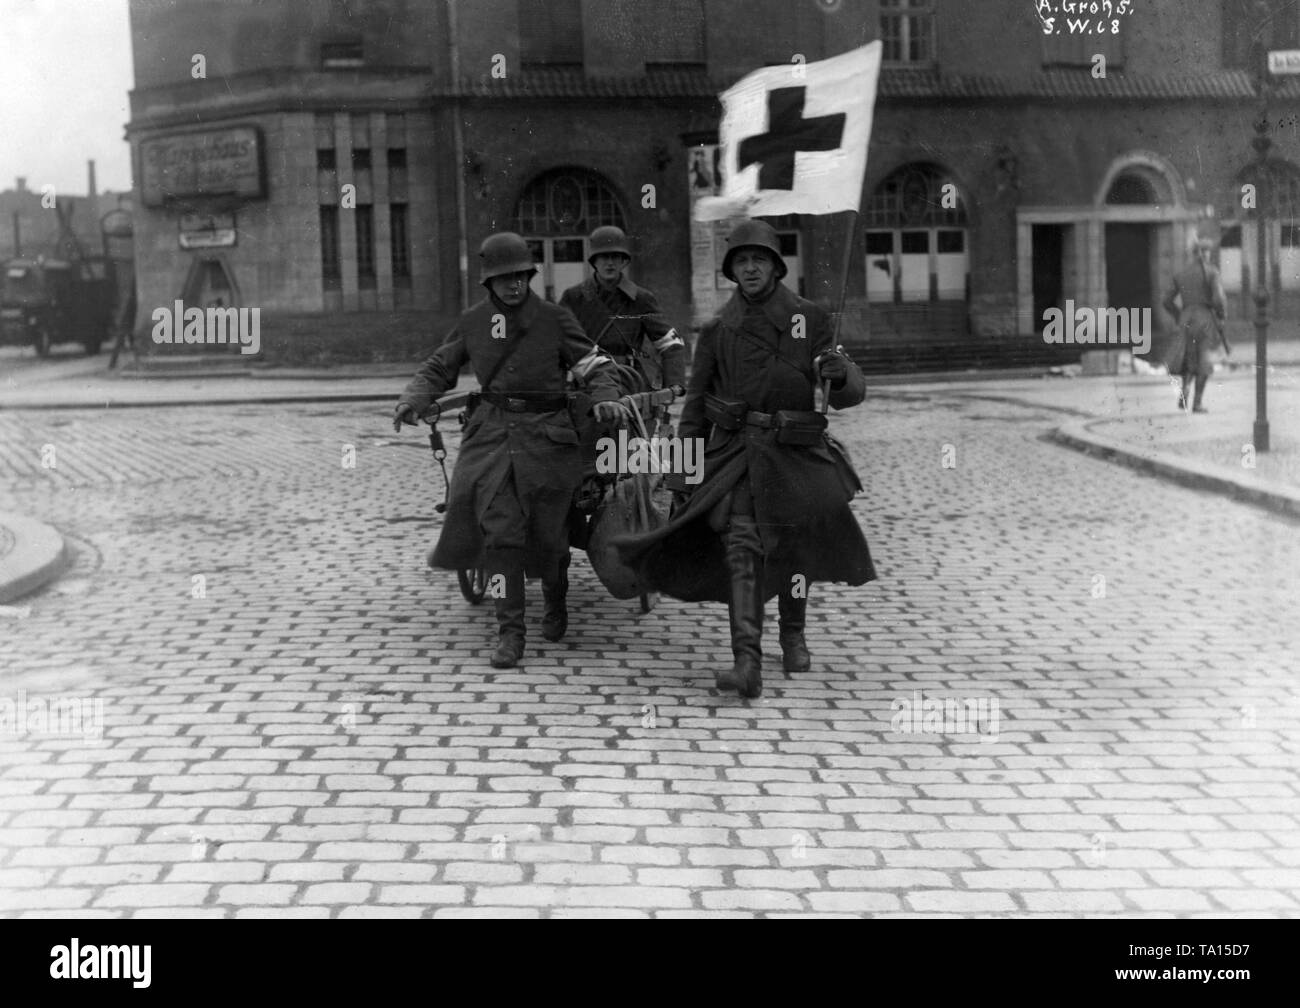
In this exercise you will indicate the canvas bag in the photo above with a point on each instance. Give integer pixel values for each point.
(629, 508)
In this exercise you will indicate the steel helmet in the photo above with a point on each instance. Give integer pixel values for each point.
(503, 253)
(753, 234)
(606, 240)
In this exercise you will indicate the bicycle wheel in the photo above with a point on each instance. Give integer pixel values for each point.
(473, 584)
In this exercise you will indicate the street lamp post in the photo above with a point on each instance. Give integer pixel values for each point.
(1264, 191)
(1261, 143)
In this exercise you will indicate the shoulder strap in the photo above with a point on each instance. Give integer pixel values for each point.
(509, 352)
(743, 334)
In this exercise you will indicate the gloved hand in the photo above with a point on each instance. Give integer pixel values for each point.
(834, 368)
(611, 412)
(404, 414)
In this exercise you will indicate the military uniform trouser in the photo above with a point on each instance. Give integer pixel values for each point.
(746, 565)
(505, 527)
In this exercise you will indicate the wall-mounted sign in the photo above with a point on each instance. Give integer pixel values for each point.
(1284, 61)
(221, 162)
(207, 230)
(220, 238)
(710, 290)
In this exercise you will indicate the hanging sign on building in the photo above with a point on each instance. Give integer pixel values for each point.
(207, 230)
(220, 162)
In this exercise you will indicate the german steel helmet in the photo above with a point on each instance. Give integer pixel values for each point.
(502, 253)
(606, 240)
(753, 234)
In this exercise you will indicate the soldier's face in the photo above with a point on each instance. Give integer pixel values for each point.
(511, 288)
(1203, 254)
(609, 267)
(754, 269)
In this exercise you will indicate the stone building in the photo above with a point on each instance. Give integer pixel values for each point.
(337, 163)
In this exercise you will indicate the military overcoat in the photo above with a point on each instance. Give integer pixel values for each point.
(762, 355)
(1198, 336)
(537, 451)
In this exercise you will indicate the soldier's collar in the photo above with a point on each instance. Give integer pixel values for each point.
(523, 315)
(592, 287)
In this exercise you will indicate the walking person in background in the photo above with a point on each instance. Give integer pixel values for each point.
(1197, 305)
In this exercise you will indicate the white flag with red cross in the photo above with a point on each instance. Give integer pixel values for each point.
(794, 138)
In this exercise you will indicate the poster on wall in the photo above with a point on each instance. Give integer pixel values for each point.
(709, 288)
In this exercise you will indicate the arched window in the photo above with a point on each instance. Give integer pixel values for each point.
(916, 237)
(1128, 188)
(566, 201)
(556, 212)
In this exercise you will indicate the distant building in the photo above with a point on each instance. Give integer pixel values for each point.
(338, 163)
(28, 219)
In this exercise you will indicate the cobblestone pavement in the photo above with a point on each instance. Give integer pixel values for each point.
(1073, 691)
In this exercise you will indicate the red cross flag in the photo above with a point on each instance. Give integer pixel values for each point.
(794, 138)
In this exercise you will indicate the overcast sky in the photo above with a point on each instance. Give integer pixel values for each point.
(65, 70)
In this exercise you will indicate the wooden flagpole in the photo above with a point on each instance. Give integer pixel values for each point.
(844, 292)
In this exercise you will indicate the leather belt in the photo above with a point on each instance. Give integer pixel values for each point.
(526, 402)
(765, 420)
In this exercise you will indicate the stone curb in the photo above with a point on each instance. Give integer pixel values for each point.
(38, 557)
(1188, 472)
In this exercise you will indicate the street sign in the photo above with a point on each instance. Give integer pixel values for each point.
(1284, 61)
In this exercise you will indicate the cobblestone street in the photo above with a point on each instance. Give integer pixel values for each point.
(299, 718)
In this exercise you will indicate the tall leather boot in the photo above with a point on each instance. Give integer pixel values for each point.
(794, 648)
(745, 563)
(1200, 391)
(555, 589)
(510, 608)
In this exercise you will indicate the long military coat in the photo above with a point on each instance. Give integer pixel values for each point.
(540, 450)
(801, 493)
(1198, 336)
(658, 351)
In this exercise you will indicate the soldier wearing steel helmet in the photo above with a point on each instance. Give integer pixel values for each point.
(772, 513)
(624, 319)
(519, 461)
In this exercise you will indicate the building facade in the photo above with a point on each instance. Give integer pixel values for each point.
(337, 163)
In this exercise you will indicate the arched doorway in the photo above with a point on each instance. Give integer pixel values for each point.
(555, 213)
(1132, 262)
(916, 238)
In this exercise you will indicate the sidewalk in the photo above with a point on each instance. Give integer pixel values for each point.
(1134, 420)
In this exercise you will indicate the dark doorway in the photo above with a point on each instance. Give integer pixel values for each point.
(1049, 269)
(1128, 265)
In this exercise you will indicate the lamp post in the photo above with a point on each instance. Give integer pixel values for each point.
(1261, 143)
(1264, 188)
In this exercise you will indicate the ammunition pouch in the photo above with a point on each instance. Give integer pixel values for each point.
(728, 414)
